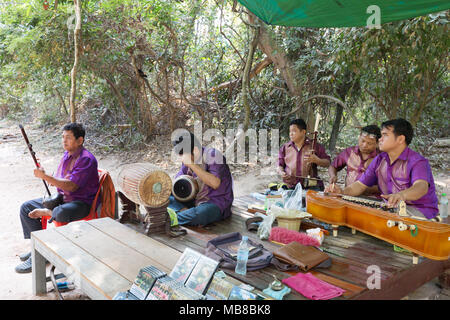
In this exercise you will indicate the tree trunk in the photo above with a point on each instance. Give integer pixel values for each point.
(307, 114)
(61, 99)
(143, 100)
(73, 73)
(281, 61)
(246, 78)
(335, 131)
(122, 105)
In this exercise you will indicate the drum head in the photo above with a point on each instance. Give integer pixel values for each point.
(185, 188)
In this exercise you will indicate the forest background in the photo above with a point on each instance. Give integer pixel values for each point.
(134, 71)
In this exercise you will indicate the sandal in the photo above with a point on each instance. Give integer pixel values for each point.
(176, 231)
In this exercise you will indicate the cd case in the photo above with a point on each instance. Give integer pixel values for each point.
(202, 274)
(188, 280)
(145, 280)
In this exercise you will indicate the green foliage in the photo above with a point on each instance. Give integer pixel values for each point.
(400, 66)
(188, 48)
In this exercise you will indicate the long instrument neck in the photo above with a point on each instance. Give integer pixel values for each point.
(313, 147)
(33, 155)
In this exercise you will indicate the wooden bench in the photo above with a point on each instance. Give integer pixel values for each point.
(101, 257)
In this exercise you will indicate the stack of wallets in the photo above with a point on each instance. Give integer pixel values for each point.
(156, 220)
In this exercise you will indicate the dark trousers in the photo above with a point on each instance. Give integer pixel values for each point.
(66, 212)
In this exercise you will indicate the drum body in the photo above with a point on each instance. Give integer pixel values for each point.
(145, 184)
(185, 188)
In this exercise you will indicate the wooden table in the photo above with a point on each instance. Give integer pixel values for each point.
(353, 259)
(101, 256)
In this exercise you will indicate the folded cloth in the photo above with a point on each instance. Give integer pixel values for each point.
(312, 287)
(278, 295)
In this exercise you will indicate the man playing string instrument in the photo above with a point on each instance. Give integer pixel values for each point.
(357, 158)
(401, 173)
(297, 159)
(76, 179)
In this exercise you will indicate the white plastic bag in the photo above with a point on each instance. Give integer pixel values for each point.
(288, 213)
(266, 225)
(293, 199)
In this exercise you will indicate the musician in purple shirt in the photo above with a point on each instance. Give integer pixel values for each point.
(401, 173)
(297, 160)
(76, 179)
(357, 158)
(215, 196)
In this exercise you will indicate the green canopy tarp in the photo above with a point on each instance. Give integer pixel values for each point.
(338, 13)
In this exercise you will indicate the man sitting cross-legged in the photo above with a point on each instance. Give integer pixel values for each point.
(215, 196)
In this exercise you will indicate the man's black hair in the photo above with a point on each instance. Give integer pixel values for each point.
(400, 127)
(186, 141)
(300, 123)
(373, 129)
(76, 128)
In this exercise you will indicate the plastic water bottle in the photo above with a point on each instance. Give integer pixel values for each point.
(258, 196)
(242, 257)
(443, 206)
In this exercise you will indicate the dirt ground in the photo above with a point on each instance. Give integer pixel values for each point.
(17, 184)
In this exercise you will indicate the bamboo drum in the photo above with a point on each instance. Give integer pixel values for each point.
(145, 184)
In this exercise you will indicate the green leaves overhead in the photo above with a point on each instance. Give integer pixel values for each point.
(193, 52)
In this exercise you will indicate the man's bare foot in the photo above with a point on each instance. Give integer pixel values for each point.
(39, 213)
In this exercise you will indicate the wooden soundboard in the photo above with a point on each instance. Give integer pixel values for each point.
(426, 238)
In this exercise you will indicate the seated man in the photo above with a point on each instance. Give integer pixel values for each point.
(76, 179)
(296, 160)
(357, 158)
(215, 196)
(401, 173)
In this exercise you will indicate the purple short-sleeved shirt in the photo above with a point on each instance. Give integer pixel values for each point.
(356, 165)
(291, 160)
(407, 169)
(214, 163)
(81, 169)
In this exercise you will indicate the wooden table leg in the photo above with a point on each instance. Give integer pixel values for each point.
(38, 271)
(335, 230)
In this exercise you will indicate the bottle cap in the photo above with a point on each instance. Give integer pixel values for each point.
(444, 194)
(244, 238)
